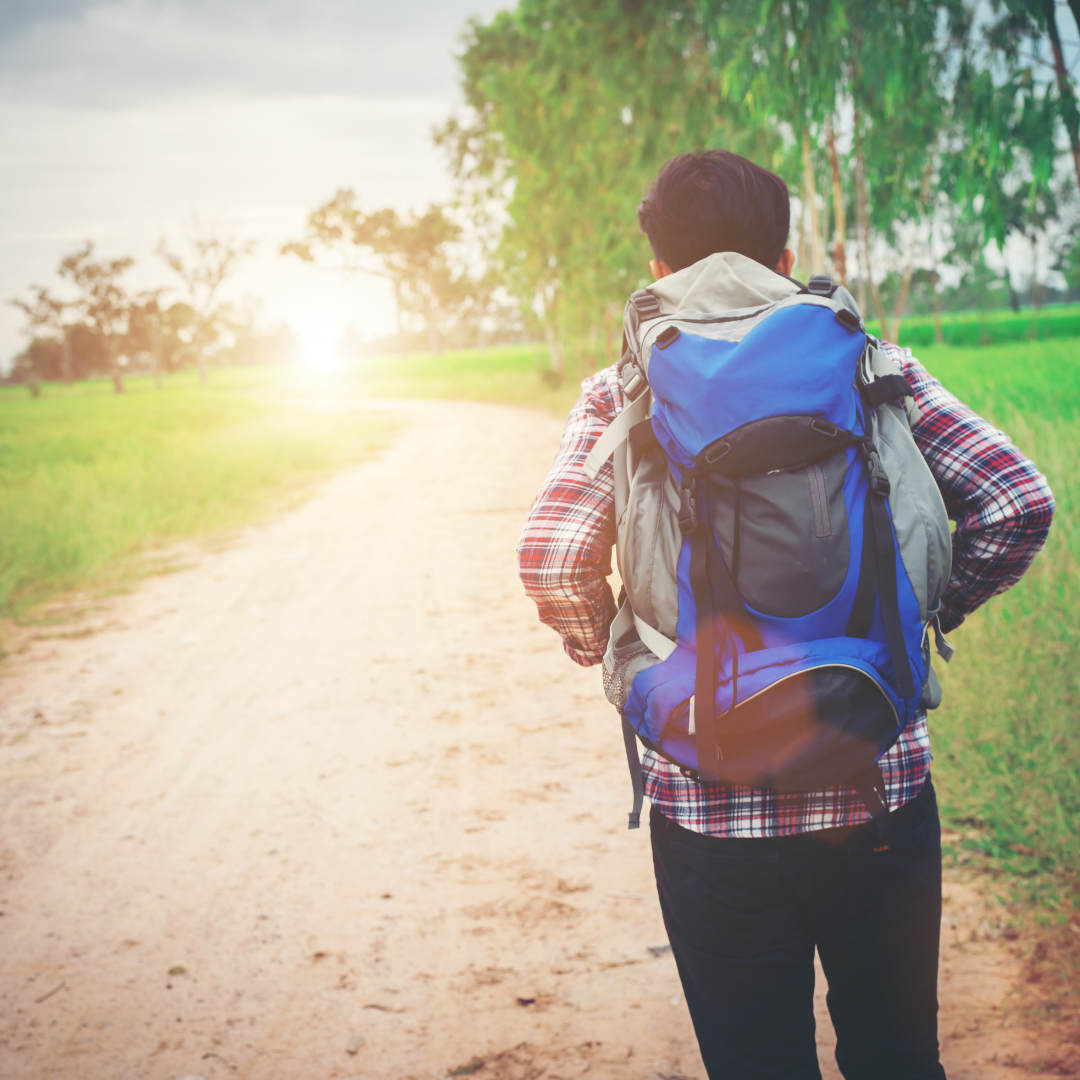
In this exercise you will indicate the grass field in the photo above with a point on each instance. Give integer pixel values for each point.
(970, 328)
(89, 479)
(1007, 739)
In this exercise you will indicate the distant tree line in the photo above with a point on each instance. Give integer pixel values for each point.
(914, 135)
(96, 326)
(445, 290)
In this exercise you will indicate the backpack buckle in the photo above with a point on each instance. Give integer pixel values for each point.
(879, 478)
(634, 385)
(821, 285)
(646, 303)
(688, 516)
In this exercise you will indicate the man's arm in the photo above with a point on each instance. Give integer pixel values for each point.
(564, 554)
(1001, 503)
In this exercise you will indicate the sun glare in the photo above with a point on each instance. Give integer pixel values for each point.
(321, 356)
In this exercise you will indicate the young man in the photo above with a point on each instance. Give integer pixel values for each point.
(751, 881)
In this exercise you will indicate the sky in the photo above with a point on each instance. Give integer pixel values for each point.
(120, 119)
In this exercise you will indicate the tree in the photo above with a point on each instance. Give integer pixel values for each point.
(48, 313)
(160, 334)
(408, 250)
(571, 107)
(212, 258)
(103, 302)
(881, 70)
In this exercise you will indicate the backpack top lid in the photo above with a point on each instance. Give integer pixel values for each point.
(726, 342)
(725, 281)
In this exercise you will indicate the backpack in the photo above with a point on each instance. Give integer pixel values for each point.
(782, 544)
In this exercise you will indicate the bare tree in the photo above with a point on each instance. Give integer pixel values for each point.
(213, 256)
(155, 332)
(48, 313)
(103, 302)
(407, 250)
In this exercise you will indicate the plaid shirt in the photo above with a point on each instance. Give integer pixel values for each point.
(1002, 507)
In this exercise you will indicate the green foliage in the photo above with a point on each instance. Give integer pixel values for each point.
(89, 479)
(952, 132)
(573, 107)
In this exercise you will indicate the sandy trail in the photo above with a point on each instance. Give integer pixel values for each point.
(340, 775)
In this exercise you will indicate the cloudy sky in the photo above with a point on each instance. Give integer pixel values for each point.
(119, 118)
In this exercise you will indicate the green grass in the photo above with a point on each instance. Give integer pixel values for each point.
(512, 375)
(972, 328)
(1007, 740)
(89, 479)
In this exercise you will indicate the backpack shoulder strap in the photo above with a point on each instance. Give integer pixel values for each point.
(616, 433)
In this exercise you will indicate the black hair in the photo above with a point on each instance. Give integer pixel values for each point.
(713, 201)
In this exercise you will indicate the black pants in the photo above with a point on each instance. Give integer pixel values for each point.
(743, 917)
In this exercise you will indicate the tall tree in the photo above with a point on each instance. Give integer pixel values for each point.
(1002, 173)
(211, 259)
(881, 68)
(103, 301)
(571, 109)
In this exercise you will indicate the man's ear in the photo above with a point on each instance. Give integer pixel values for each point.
(660, 268)
(786, 263)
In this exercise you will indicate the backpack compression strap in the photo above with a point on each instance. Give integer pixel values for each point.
(877, 575)
(709, 579)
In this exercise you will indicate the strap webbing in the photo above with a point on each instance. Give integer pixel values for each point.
(616, 433)
(636, 777)
(944, 649)
(890, 604)
(871, 788)
(705, 673)
(728, 601)
(866, 592)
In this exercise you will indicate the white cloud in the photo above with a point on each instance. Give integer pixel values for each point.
(116, 119)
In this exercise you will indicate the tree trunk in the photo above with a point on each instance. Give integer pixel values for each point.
(817, 255)
(611, 315)
(67, 372)
(905, 285)
(115, 371)
(939, 335)
(863, 214)
(802, 256)
(839, 252)
(159, 371)
(1036, 292)
(200, 352)
(555, 352)
(397, 314)
(1069, 111)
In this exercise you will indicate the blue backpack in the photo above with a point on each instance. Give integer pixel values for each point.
(782, 543)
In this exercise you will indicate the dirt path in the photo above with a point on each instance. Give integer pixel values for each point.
(341, 777)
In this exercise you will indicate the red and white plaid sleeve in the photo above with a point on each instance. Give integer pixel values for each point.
(1001, 503)
(564, 554)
